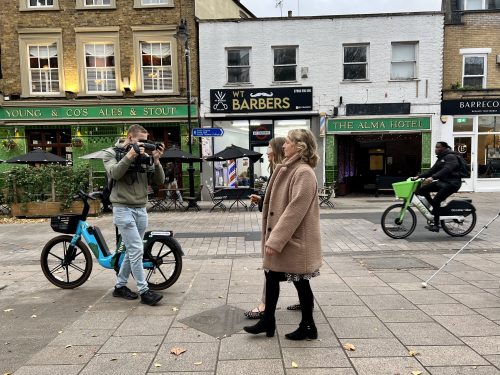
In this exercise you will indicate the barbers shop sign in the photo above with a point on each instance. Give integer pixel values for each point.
(471, 106)
(283, 99)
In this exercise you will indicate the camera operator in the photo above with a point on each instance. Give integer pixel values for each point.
(132, 169)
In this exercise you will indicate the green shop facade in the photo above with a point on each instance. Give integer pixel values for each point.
(72, 131)
(360, 149)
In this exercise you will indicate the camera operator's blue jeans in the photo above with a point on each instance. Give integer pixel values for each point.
(132, 223)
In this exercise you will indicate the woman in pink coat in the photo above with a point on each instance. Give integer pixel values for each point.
(291, 239)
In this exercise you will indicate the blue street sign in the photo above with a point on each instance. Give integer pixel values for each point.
(208, 132)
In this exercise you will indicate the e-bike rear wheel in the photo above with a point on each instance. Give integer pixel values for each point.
(393, 226)
(458, 228)
(166, 254)
(66, 266)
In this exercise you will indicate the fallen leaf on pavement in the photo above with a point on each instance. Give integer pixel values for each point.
(413, 353)
(157, 364)
(177, 351)
(349, 346)
(294, 365)
(59, 332)
(175, 309)
(33, 316)
(198, 363)
(113, 359)
(8, 310)
(134, 354)
(416, 372)
(68, 346)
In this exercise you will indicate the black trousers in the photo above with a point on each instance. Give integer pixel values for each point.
(443, 189)
(306, 297)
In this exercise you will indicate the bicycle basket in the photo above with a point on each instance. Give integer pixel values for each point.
(65, 223)
(404, 189)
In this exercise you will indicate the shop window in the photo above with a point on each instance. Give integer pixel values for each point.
(285, 64)
(404, 61)
(474, 71)
(44, 69)
(489, 124)
(156, 67)
(56, 141)
(463, 124)
(100, 69)
(238, 65)
(356, 62)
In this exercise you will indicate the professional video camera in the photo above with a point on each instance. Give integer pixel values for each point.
(142, 161)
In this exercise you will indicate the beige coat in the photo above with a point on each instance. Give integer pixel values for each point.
(290, 219)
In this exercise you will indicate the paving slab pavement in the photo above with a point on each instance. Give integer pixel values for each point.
(369, 295)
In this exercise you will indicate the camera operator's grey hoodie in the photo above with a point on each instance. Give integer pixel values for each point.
(130, 188)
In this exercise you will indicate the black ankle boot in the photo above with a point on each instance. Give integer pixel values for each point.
(267, 326)
(305, 331)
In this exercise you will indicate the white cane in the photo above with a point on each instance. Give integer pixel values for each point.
(424, 284)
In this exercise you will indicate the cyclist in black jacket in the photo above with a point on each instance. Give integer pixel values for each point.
(446, 170)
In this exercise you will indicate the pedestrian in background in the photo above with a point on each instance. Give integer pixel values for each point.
(291, 238)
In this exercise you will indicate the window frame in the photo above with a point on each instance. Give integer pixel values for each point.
(415, 70)
(367, 46)
(80, 5)
(485, 70)
(296, 48)
(97, 35)
(42, 36)
(30, 70)
(25, 7)
(139, 4)
(86, 69)
(152, 34)
(249, 66)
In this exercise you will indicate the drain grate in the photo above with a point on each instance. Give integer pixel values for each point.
(222, 321)
(395, 263)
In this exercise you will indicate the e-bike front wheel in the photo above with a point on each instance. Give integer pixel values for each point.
(64, 265)
(166, 254)
(460, 228)
(393, 226)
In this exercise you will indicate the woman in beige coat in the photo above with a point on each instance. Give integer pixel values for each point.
(291, 239)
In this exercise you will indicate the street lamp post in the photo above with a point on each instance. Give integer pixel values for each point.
(183, 36)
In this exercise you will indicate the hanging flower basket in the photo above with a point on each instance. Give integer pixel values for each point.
(9, 144)
(77, 142)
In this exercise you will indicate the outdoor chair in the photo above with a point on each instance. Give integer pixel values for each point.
(194, 201)
(325, 194)
(156, 202)
(217, 201)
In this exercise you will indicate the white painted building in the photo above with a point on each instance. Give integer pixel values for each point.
(376, 78)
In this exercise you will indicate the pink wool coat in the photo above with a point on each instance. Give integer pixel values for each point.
(290, 219)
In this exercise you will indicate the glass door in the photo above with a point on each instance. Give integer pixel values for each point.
(464, 146)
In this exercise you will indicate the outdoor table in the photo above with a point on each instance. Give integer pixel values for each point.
(172, 199)
(235, 194)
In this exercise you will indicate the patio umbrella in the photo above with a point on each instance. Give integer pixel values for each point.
(37, 156)
(235, 152)
(95, 155)
(177, 155)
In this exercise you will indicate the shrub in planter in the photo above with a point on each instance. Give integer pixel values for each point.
(56, 183)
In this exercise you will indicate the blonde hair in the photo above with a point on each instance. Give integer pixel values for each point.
(276, 145)
(136, 128)
(307, 148)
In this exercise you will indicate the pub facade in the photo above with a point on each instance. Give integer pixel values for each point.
(368, 86)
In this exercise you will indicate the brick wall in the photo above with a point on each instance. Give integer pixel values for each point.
(67, 18)
(479, 30)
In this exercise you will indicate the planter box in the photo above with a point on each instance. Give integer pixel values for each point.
(47, 209)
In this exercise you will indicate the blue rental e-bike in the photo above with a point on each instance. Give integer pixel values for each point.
(67, 261)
